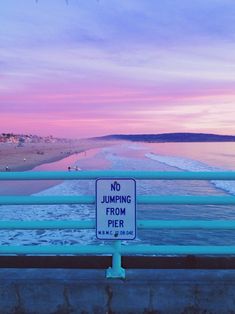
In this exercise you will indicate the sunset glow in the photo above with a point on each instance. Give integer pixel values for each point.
(92, 68)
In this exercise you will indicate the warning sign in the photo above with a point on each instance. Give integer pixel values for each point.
(116, 209)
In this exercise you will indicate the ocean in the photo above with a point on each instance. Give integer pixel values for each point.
(135, 156)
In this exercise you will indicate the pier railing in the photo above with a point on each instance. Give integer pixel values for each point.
(115, 247)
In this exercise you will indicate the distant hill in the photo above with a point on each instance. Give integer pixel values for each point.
(170, 137)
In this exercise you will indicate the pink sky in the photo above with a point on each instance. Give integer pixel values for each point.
(100, 68)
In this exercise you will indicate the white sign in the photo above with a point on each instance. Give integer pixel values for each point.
(116, 209)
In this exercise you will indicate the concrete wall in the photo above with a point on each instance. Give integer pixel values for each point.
(143, 291)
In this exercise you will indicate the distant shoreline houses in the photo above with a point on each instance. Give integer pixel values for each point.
(21, 139)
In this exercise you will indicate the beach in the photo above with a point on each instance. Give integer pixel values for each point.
(30, 155)
(135, 157)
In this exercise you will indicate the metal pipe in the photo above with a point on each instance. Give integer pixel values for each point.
(177, 249)
(124, 249)
(116, 271)
(57, 249)
(141, 199)
(142, 175)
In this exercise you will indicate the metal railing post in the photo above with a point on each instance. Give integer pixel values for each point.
(116, 271)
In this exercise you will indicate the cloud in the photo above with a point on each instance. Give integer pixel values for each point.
(91, 61)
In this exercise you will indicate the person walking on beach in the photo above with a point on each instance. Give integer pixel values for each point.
(76, 168)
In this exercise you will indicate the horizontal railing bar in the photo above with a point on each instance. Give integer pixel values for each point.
(141, 224)
(142, 175)
(144, 199)
(177, 249)
(57, 224)
(186, 224)
(46, 200)
(186, 200)
(124, 249)
(57, 249)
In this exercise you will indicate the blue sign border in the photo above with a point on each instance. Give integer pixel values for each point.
(121, 179)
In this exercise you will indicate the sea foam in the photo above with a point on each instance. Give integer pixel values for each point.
(193, 165)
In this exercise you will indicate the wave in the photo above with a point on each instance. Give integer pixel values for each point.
(118, 161)
(48, 212)
(193, 165)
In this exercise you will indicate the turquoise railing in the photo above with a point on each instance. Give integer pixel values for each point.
(115, 247)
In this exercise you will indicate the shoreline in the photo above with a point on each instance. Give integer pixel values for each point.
(51, 157)
(31, 155)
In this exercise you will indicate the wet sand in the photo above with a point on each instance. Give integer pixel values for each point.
(54, 157)
(30, 155)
